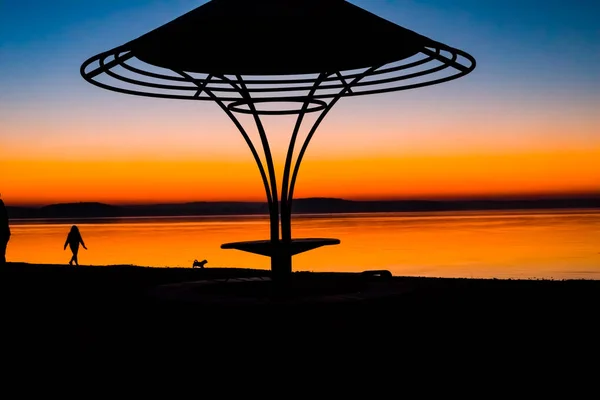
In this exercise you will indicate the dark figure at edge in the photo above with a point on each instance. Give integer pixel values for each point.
(4, 233)
(73, 240)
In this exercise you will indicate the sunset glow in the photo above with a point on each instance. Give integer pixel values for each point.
(524, 123)
(119, 181)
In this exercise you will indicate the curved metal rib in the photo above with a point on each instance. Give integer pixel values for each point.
(121, 60)
(446, 63)
(286, 211)
(319, 105)
(387, 78)
(274, 208)
(314, 128)
(237, 123)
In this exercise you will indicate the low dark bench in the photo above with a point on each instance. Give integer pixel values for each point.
(380, 273)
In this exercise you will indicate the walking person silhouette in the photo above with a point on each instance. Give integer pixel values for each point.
(4, 233)
(73, 240)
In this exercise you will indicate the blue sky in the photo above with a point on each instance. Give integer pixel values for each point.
(553, 44)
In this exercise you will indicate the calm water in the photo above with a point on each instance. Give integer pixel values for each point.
(507, 244)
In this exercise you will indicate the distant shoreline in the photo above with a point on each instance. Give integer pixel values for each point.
(266, 216)
(300, 206)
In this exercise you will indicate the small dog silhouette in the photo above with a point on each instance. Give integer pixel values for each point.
(199, 264)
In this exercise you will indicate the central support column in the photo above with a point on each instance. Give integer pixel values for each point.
(280, 250)
(281, 261)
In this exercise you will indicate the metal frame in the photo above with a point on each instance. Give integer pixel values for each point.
(314, 93)
(401, 75)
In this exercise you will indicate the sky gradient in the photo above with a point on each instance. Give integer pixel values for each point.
(525, 122)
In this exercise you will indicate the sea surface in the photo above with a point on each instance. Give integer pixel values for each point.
(549, 244)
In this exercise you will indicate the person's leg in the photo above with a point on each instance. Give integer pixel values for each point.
(74, 251)
(3, 244)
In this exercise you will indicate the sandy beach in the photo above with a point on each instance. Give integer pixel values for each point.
(122, 309)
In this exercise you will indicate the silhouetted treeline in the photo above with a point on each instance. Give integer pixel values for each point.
(300, 206)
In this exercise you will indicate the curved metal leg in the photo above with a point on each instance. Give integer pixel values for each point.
(286, 210)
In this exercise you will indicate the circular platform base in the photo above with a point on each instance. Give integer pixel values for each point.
(269, 248)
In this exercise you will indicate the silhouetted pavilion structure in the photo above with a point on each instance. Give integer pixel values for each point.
(274, 57)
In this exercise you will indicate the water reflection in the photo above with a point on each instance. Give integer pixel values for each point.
(546, 244)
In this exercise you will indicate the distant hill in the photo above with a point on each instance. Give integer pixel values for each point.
(80, 210)
(68, 210)
(299, 206)
(196, 208)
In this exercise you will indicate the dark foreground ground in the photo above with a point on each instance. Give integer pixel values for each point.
(122, 313)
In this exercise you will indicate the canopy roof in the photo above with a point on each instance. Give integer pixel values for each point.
(276, 37)
(267, 51)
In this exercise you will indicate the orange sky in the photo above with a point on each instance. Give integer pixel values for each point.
(196, 154)
(426, 176)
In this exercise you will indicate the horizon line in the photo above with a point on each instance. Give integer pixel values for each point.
(540, 197)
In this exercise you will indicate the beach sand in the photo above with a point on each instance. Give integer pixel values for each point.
(117, 311)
